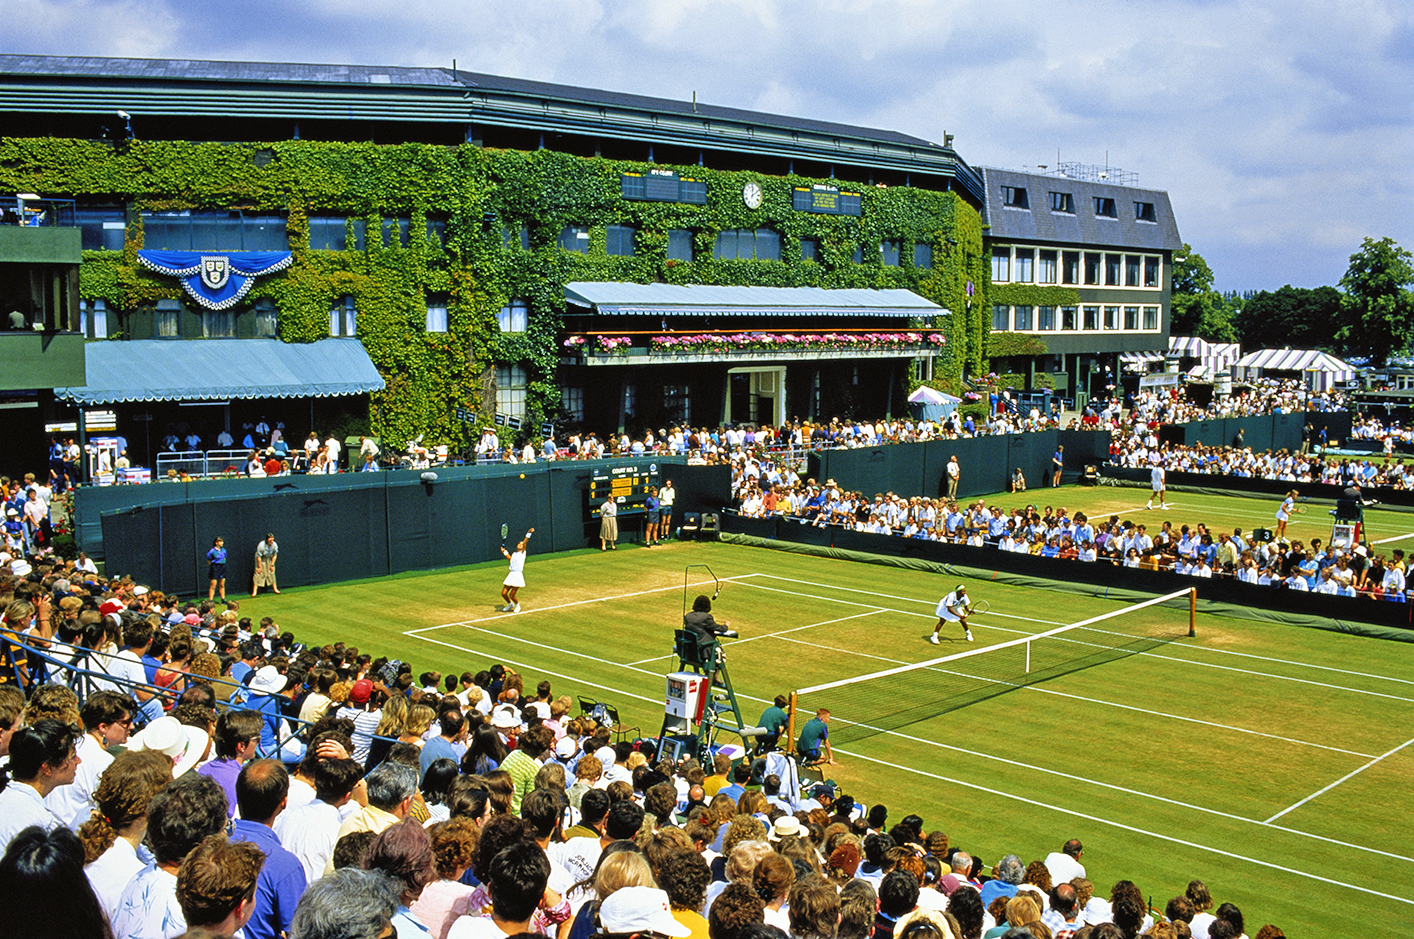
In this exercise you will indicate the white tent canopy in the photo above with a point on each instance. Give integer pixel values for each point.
(926, 395)
(1319, 370)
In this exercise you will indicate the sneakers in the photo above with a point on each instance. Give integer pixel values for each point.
(1164, 508)
(933, 639)
(506, 608)
(516, 609)
(969, 634)
(1149, 506)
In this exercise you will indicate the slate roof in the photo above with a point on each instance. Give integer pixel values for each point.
(1040, 224)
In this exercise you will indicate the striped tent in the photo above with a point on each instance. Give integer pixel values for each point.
(1319, 370)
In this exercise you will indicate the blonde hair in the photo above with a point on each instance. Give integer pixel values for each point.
(419, 719)
(622, 869)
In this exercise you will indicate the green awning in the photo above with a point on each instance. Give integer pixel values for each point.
(222, 370)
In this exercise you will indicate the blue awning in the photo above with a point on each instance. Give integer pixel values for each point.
(222, 370)
(664, 300)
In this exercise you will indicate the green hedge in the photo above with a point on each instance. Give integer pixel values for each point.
(477, 191)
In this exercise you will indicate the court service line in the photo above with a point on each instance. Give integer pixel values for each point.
(1395, 538)
(1339, 781)
(1136, 830)
(775, 635)
(889, 596)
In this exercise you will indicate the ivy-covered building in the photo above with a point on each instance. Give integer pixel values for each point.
(1081, 274)
(486, 239)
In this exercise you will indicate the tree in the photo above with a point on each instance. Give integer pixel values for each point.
(1198, 309)
(1297, 317)
(1377, 312)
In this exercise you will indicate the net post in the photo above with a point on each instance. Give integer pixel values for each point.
(790, 726)
(1192, 612)
(1028, 658)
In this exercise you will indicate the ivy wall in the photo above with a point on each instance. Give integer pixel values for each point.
(479, 194)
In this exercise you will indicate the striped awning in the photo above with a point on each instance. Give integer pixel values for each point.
(1188, 347)
(696, 300)
(1295, 360)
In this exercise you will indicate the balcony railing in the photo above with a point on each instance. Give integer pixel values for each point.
(737, 345)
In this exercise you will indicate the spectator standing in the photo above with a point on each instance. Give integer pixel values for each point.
(954, 473)
(261, 790)
(666, 497)
(1057, 464)
(608, 524)
(216, 569)
(265, 555)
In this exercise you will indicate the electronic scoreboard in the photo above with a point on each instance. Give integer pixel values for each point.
(628, 484)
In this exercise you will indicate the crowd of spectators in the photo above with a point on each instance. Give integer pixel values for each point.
(210, 776)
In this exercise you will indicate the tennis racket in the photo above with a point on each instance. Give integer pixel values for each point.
(1299, 509)
(977, 607)
(505, 530)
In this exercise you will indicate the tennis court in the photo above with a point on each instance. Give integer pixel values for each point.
(1269, 761)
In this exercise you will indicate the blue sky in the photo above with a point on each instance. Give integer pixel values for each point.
(1282, 131)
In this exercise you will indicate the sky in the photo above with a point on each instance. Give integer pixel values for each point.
(1282, 131)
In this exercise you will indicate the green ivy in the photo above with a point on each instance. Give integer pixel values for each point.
(477, 191)
(1034, 295)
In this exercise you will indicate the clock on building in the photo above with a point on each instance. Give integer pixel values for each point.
(751, 195)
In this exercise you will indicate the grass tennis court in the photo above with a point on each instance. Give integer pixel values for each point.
(1272, 762)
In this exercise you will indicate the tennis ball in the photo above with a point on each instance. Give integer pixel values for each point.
(522, 475)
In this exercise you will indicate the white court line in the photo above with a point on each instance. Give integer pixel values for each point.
(776, 635)
(889, 596)
(1136, 830)
(1395, 538)
(1339, 781)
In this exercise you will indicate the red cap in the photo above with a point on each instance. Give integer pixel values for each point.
(111, 606)
(361, 691)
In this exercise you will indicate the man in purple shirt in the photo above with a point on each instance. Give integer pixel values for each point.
(237, 737)
(261, 791)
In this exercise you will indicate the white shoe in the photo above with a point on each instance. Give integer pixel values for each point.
(1164, 508)
(1149, 506)
(933, 639)
(506, 609)
(969, 634)
(517, 608)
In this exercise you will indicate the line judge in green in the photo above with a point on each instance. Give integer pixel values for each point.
(774, 719)
(814, 744)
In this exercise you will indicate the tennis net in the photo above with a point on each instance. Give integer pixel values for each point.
(894, 698)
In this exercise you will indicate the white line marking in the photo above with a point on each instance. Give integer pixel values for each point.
(1138, 831)
(1339, 781)
(775, 635)
(1395, 538)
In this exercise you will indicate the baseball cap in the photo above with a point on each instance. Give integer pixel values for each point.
(640, 909)
(111, 606)
(566, 748)
(361, 691)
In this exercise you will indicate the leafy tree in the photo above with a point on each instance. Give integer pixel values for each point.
(1198, 309)
(1297, 317)
(1377, 313)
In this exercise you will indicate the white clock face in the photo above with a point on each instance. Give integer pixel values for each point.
(751, 195)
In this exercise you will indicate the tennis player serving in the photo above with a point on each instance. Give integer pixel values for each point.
(954, 608)
(515, 578)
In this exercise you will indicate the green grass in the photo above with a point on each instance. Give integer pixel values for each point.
(1167, 764)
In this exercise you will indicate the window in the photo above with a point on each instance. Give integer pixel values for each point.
(343, 318)
(1001, 265)
(395, 232)
(266, 318)
(1151, 317)
(1001, 316)
(101, 228)
(1092, 269)
(1105, 207)
(888, 251)
(1068, 317)
(518, 236)
(213, 231)
(1045, 317)
(1045, 267)
(1112, 270)
(510, 390)
(618, 240)
(858, 256)
(923, 256)
(1112, 317)
(1070, 267)
(93, 318)
(1131, 317)
(1151, 272)
(169, 318)
(218, 324)
(1023, 318)
(677, 404)
(1092, 317)
(330, 233)
(809, 249)
(1014, 197)
(1024, 261)
(1063, 202)
(1131, 270)
(679, 245)
(1144, 212)
(745, 244)
(572, 402)
(514, 317)
(437, 230)
(437, 313)
(575, 238)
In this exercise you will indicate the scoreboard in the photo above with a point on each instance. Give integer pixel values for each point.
(628, 485)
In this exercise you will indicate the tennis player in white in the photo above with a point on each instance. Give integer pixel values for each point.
(1156, 482)
(952, 609)
(515, 579)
